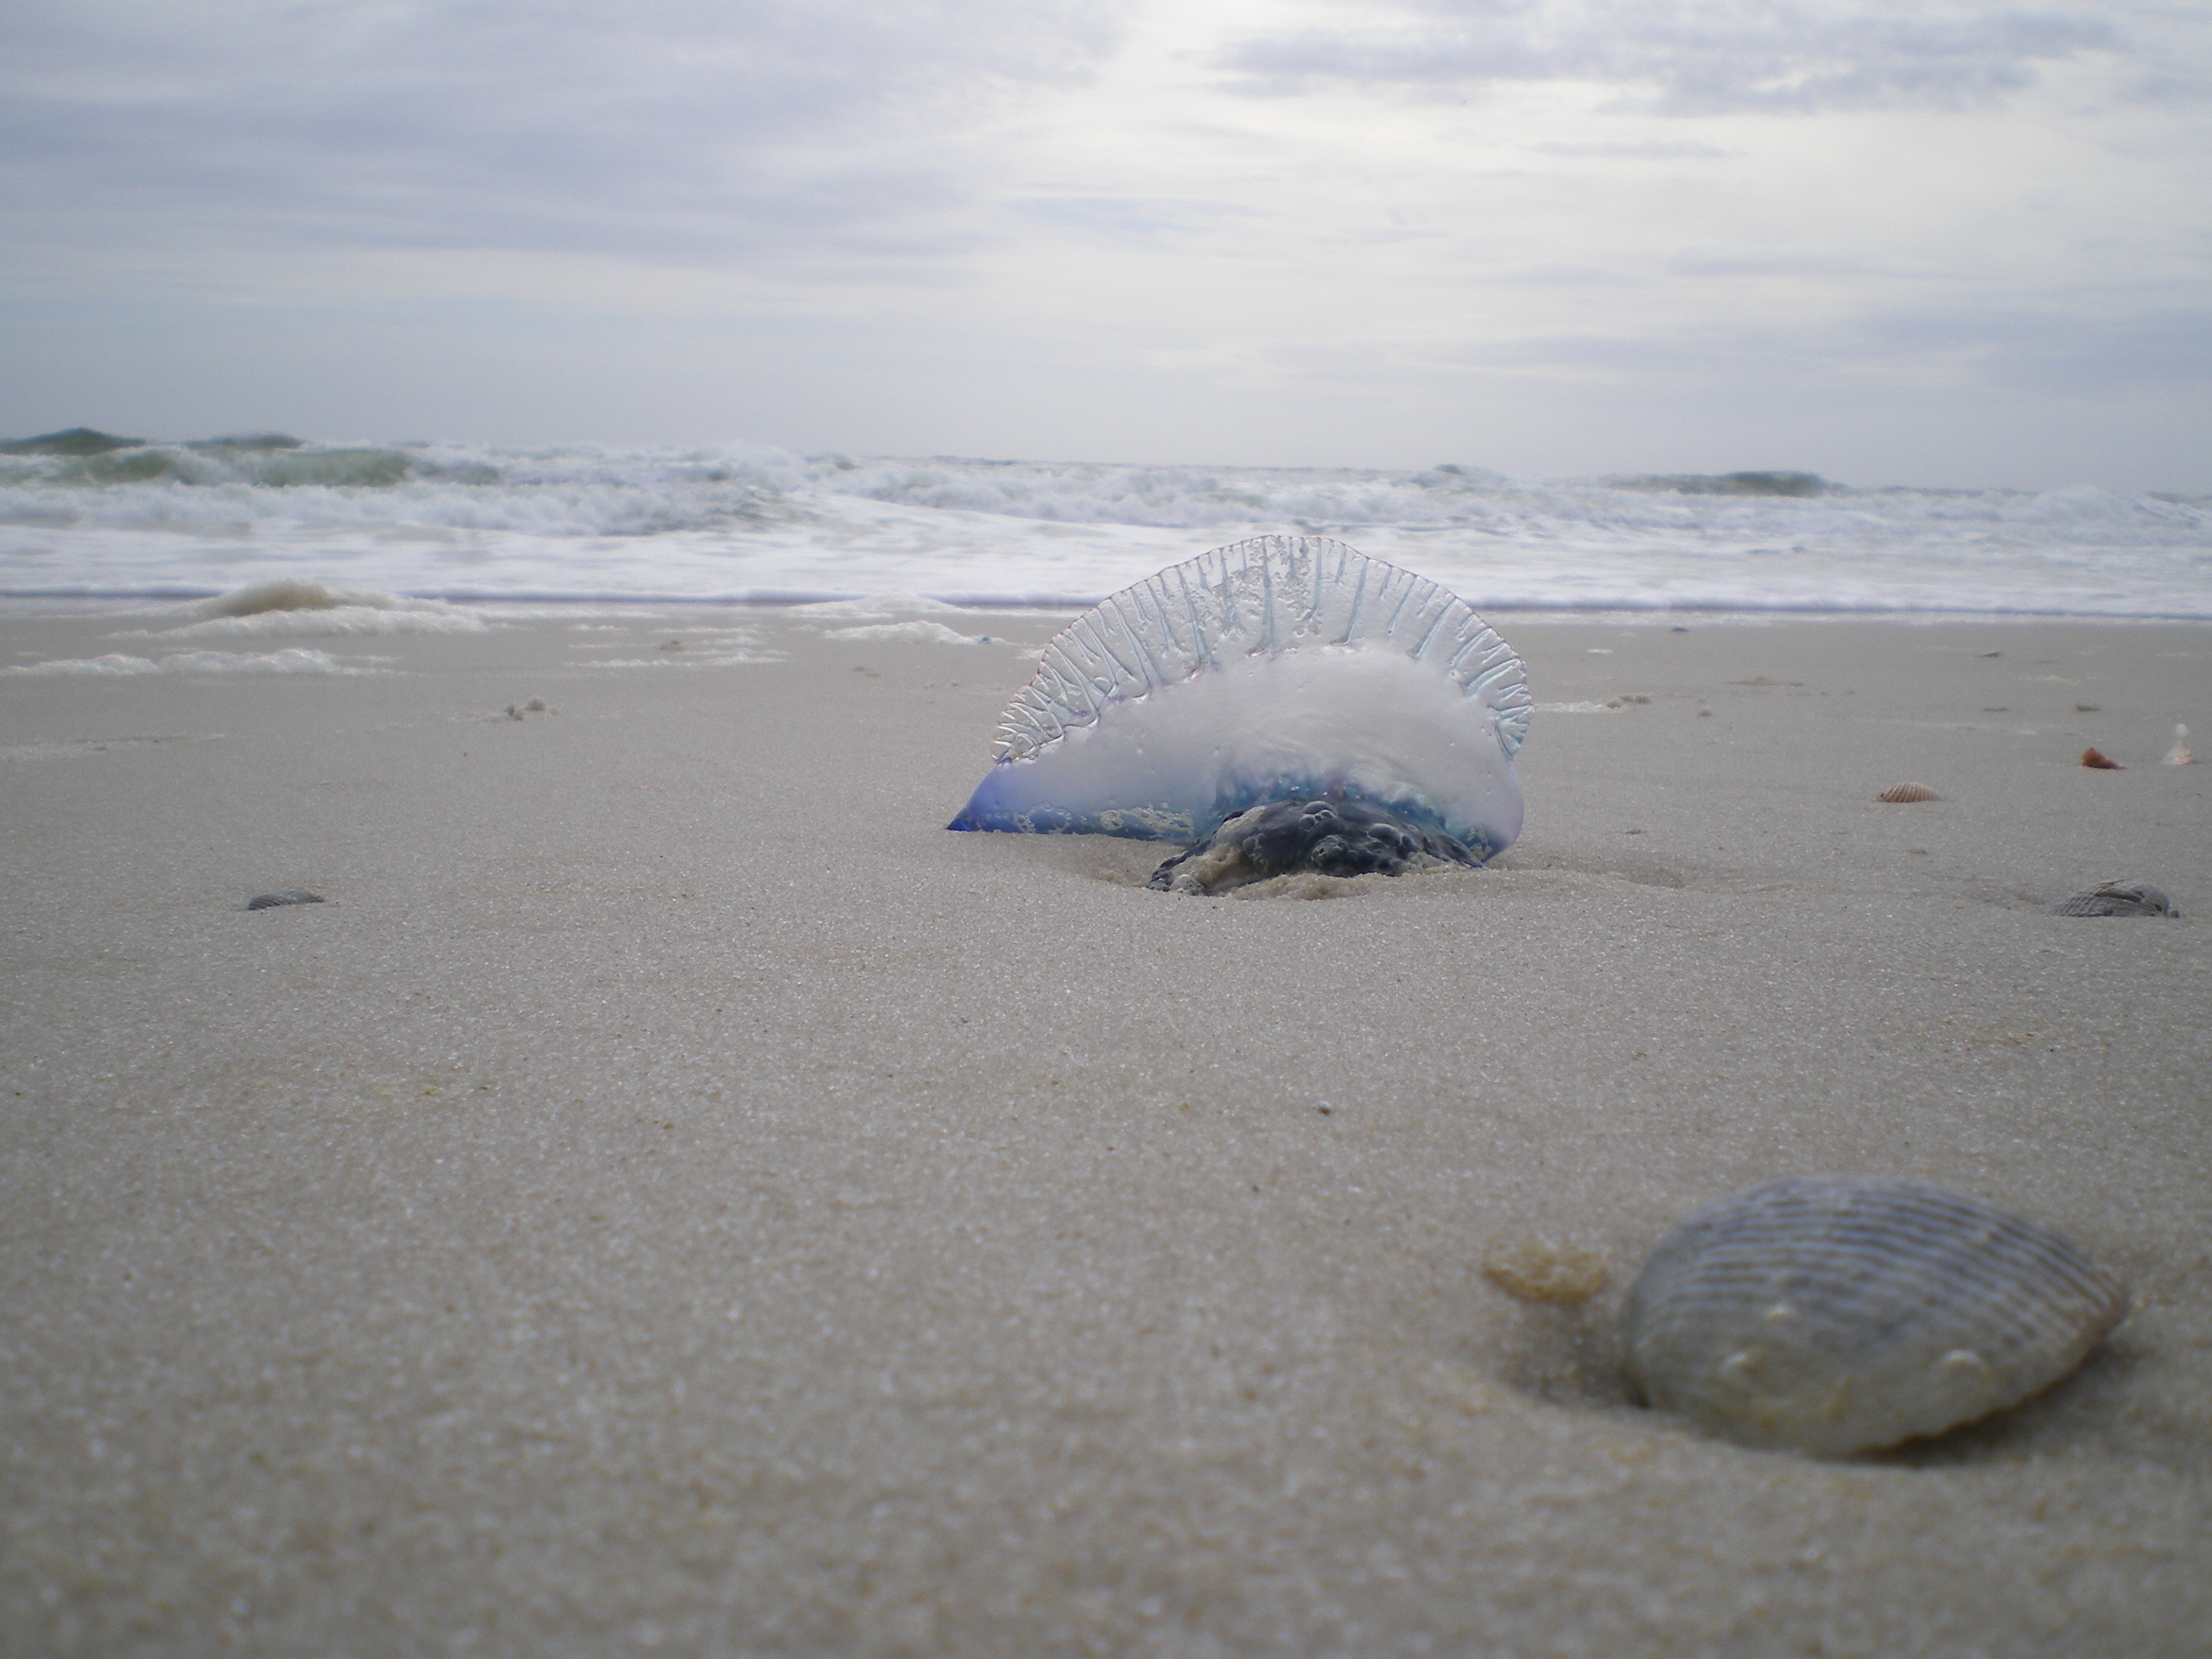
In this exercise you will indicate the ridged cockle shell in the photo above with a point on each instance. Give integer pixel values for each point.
(2118, 898)
(1837, 1315)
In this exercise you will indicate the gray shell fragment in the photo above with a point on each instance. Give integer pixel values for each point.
(1836, 1316)
(282, 896)
(2117, 898)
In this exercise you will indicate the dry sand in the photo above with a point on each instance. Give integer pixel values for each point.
(674, 1194)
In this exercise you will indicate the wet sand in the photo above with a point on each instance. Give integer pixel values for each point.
(674, 1195)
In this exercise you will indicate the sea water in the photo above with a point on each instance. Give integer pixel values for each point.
(95, 520)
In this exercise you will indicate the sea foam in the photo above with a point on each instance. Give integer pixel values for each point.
(916, 632)
(290, 660)
(735, 522)
(291, 607)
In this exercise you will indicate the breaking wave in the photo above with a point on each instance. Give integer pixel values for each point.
(119, 665)
(91, 514)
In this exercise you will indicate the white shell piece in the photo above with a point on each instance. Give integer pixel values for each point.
(1279, 665)
(1836, 1316)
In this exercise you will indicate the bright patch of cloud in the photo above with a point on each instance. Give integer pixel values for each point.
(684, 130)
(1698, 56)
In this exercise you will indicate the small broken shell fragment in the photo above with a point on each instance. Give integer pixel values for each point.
(1535, 1270)
(2097, 760)
(1898, 793)
(1834, 1316)
(282, 896)
(2118, 898)
(2178, 755)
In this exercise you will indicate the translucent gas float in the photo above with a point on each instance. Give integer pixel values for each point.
(1283, 703)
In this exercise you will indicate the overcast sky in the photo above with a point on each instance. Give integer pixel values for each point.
(1961, 244)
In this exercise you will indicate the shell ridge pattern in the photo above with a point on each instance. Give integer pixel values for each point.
(1838, 1316)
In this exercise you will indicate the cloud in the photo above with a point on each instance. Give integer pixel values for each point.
(2082, 352)
(1650, 150)
(1696, 56)
(1141, 220)
(2069, 353)
(684, 130)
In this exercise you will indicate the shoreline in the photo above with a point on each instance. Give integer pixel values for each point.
(50, 603)
(674, 1194)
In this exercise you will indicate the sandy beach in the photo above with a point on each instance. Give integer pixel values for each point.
(673, 1195)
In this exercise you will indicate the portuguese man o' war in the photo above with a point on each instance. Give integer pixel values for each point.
(1285, 669)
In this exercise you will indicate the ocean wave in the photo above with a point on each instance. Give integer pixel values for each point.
(342, 622)
(739, 523)
(1177, 498)
(292, 593)
(235, 486)
(118, 666)
(1731, 484)
(871, 607)
(916, 632)
(77, 440)
(86, 458)
(694, 659)
(291, 607)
